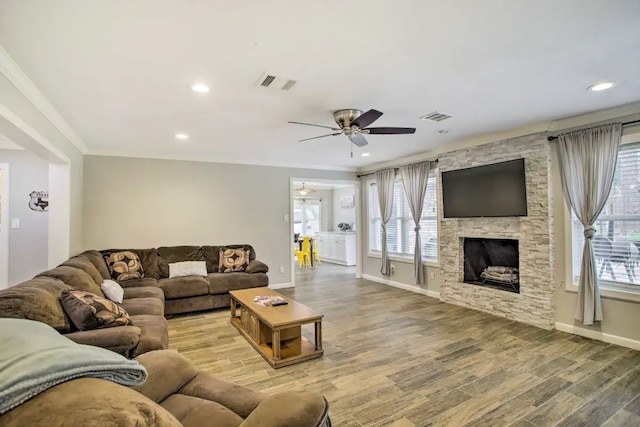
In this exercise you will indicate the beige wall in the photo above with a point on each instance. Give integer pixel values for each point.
(140, 203)
(18, 104)
(27, 244)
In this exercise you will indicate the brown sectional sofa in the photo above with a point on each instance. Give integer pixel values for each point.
(192, 293)
(174, 394)
(147, 299)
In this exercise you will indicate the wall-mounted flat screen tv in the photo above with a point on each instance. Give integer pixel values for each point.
(493, 190)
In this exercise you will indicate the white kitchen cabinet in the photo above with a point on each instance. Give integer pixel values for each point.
(337, 247)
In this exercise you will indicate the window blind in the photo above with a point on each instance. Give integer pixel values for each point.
(400, 234)
(617, 240)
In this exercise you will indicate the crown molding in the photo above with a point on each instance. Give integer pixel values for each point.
(213, 159)
(25, 85)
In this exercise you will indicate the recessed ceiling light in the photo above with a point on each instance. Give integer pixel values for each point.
(600, 86)
(182, 136)
(365, 154)
(200, 88)
(443, 131)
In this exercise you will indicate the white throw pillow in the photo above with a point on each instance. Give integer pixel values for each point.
(187, 268)
(112, 290)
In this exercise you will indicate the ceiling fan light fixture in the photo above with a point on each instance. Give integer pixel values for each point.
(303, 191)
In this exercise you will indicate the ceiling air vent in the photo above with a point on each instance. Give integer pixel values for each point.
(436, 117)
(274, 81)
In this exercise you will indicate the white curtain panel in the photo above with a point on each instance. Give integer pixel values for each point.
(384, 182)
(414, 181)
(587, 165)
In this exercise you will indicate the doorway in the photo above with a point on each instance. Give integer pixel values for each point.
(4, 225)
(324, 237)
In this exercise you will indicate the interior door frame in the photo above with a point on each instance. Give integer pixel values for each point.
(5, 227)
(356, 184)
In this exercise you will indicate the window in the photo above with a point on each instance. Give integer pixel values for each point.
(400, 234)
(306, 216)
(617, 240)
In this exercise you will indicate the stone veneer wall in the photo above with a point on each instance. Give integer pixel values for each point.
(535, 302)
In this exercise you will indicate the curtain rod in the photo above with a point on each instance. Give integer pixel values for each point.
(552, 138)
(396, 168)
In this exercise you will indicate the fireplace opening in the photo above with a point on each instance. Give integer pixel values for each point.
(493, 263)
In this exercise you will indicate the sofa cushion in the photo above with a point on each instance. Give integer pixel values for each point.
(135, 306)
(181, 287)
(137, 283)
(235, 281)
(89, 311)
(124, 265)
(84, 264)
(112, 290)
(171, 254)
(153, 333)
(36, 299)
(196, 412)
(212, 255)
(97, 260)
(74, 277)
(216, 283)
(233, 259)
(144, 292)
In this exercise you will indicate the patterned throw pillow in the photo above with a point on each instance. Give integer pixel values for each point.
(232, 260)
(124, 265)
(89, 311)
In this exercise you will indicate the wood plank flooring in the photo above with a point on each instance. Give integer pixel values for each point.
(396, 358)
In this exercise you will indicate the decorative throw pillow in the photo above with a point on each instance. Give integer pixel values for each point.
(112, 290)
(89, 311)
(233, 260)
(124, 265)
(187, 268)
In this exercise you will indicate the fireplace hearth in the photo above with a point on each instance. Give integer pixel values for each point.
(492, 263)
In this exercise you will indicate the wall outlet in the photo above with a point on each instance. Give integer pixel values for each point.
(15, 222)
(392, 267)
(432, 275)
(282, 269)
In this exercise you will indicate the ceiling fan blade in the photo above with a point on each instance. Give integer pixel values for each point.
(390, 131)
(365, 119)
(358, 140)
(321, 136)
(318, 126)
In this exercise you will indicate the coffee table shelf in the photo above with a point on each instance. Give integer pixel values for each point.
(276, 332)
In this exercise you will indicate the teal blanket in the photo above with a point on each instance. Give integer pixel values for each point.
(34, 357)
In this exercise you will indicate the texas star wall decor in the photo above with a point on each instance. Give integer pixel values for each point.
(39, 201)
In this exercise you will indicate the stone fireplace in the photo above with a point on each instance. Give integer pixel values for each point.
(493, 263)
(523, 244)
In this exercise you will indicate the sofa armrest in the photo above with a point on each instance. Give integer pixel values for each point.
(119, 339)
(239, 399)
(167, 372)
(291, 408)
(256, 266)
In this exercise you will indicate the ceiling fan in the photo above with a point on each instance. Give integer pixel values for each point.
(353, 123)
(304, 190)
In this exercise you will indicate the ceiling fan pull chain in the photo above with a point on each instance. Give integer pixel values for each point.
(351, 145)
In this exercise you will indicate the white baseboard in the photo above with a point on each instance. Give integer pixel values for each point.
(404, 286)
(600, 336)
(281, 285)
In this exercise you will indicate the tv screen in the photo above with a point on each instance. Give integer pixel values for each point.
(492, 190)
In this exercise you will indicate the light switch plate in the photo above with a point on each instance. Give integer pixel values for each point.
(286, 217)
(15, 222)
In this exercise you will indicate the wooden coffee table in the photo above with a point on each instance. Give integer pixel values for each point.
(276, 332)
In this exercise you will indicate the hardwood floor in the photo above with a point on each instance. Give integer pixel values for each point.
(396, 358)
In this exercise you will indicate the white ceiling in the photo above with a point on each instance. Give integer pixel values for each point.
(119, 72)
